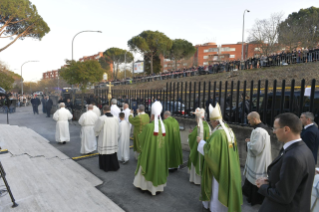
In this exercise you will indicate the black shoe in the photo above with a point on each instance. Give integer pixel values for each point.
(63, 142)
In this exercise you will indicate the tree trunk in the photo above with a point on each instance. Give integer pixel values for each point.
(175, 64)
(82, 101)
(152, 64)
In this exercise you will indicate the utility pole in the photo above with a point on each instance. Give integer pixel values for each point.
(242, 44)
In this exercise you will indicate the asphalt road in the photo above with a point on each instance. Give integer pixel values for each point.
(179, 194)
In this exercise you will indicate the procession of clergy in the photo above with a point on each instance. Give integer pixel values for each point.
(213, 161)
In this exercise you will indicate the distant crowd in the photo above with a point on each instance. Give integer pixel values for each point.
(274, 59)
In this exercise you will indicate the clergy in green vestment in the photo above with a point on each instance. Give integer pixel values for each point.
(195, 159)
(173, 139)
(138, 123)
(221, 177)
(152, 165)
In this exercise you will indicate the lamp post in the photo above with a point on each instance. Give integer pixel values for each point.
(31, 61)
(242, 44)
(72, 48)
(80, 33)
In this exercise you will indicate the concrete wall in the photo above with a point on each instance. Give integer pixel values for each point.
(240, 132)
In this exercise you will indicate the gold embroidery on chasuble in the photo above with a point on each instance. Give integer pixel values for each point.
(161, 139)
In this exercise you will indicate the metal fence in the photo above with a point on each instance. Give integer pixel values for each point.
(236, 99)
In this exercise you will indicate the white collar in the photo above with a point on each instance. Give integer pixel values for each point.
(141, 113)
(305, 127)
(286, 145)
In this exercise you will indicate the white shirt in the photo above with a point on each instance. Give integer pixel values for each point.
(308, 125)
(115, 111)
(289, 143)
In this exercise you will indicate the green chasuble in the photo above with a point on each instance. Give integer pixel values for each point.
(154, 155)
(194, 156)
(138, 122)
(222, 163)
(173, 139)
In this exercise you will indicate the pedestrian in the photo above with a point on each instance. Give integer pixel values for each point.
(62, 117)
(152, 166)
(88, 138)
(310, 133)
(107, 128)
(221, 177)
(173, 140)
(124, 139)
(195, 159)
(258, 158)
(49, 105)
(43, 101)
(127, 112)
(115, 110)
(290, 176)
(35, 102)
(138, 122)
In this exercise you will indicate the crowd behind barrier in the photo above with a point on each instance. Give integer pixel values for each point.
(284, 58)
(236, 99)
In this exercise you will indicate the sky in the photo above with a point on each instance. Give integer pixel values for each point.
(199, 22)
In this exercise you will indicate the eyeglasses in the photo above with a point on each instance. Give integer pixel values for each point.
(274, 128)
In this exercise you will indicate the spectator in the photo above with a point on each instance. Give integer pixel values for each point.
(310, 133)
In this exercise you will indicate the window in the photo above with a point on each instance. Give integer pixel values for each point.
(215, 58)
(211, 50)
(232, 56)
(206, 57)
(167, 60)
(165, 65)
(184, 64)
(221, 57)
(257, 49)
(205, 63)
(232, 49)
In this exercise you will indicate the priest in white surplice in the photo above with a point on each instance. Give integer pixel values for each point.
(62, 116)
(107, 128)
(123, 153)
(88, 138)
(96, 110)
(115, 110)
(127, 112)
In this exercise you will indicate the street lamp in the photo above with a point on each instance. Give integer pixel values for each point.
(80, 33)
(242, 44)
(72, 46)
(31, 61)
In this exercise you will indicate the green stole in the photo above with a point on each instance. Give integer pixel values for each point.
(194, 156)
(222, 163)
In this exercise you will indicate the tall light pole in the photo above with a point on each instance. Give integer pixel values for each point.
(80, 33)
(242, 44)
(72, 49)
(31, 61)
(125, 64)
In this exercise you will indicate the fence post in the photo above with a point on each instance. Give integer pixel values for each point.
(291, 100)
(312, 95)
(190, 97)
(273, 103)
(258, 96)
(225, 98)
(265, 103)
(302, 94)
(237, 102)
(282, 100)
(231, 101)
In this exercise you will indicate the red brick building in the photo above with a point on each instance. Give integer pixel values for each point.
(51, 74)
(210, 53)
(95, 57)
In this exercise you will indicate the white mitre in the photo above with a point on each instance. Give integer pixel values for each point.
(156, 111)
(216, 114)
(200, 114)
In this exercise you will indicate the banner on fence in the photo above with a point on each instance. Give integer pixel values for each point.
(138, 67)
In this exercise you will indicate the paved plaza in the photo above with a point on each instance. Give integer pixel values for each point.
(179, 194)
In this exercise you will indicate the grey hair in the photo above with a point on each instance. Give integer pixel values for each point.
(114, 101)
(167, 113)
(141, 108)
(61, 105)
(309, 115)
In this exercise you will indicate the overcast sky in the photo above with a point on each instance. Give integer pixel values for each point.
(198, 21)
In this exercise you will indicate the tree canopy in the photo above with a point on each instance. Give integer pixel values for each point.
(181, 49)
(6, 81)
(20, 19)
(301, 27)
(82, 73)
(150, 44)
(117, 57)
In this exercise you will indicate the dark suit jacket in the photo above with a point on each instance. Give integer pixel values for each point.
(290, 178)
(49, 104)
(311, 137)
